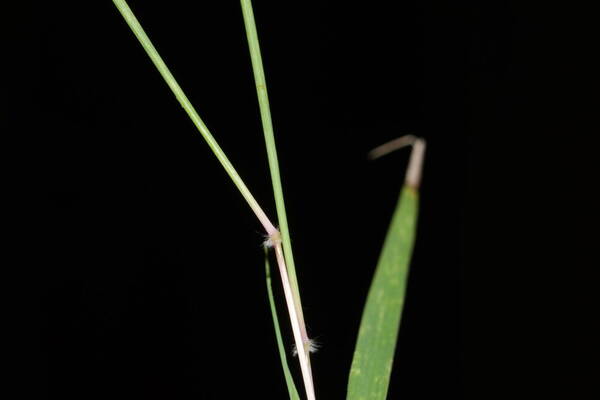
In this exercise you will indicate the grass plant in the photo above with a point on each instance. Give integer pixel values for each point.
(373, 358)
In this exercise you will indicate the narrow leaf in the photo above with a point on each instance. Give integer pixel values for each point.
(297, 321)
(282, 353)
(265, 115)
(376, 344)
(160, 65)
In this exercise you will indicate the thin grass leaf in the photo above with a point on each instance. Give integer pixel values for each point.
(375, 347)
(289, 380)
(302, 342)
(164, 71)
(267, 123)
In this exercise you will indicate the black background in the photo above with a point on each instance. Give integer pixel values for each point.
(144, 269)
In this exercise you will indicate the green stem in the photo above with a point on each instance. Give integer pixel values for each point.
(265, 113)
(189, 109)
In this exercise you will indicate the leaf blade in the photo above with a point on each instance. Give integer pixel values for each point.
(374, 353)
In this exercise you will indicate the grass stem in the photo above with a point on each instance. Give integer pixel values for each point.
(265, 113)
(267, 123)
(288, 275)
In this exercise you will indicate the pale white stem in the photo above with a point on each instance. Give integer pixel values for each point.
(272, 232)
(298, 330)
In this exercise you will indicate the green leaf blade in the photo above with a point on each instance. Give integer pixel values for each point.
(375, 347)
